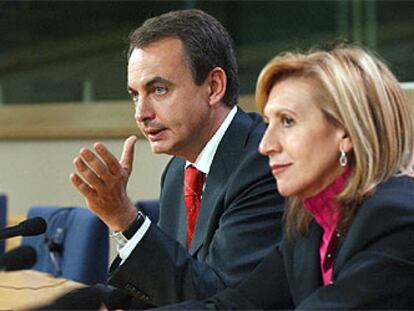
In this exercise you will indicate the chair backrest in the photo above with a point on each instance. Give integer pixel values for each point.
(3, 218)
(151, 208)
(75, 246)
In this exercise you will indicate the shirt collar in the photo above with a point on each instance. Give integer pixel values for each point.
(323, 206)
(206, 156)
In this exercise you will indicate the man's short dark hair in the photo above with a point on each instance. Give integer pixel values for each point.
(206, 43)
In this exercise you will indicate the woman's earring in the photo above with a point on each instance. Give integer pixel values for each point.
(343, 160)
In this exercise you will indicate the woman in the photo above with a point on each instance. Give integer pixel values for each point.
(340, 142)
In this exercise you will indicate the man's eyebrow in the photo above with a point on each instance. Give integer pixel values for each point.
(157, 80)
(148, 84)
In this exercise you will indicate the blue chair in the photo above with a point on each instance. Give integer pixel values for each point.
(3, 218)
(151, 208)
(75, 246)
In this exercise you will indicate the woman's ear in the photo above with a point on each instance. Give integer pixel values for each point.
(217, 82)
(346, 142)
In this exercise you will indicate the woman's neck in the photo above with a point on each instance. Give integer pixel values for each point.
(324, 206)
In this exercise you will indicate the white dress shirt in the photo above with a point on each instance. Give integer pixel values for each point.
(202, 163)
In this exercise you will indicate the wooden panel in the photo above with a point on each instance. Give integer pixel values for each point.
(112, 119)
(247, 103)
(408, 87)
(67, 120)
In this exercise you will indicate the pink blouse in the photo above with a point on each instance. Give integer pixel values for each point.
(325, 211)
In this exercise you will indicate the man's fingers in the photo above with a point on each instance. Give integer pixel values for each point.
(97, 165)
(89, 175)
(127, 157)
(108, 165)
(110, 160)
(82, 187)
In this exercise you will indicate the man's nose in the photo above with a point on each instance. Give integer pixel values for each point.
(143, 110)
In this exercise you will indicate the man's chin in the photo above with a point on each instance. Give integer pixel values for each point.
(159, 149)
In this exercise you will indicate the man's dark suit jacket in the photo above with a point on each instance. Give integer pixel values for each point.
(373, 268)
(238, 224)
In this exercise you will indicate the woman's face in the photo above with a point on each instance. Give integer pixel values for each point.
(302, 145)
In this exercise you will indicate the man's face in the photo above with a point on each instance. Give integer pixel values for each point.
(170, 109)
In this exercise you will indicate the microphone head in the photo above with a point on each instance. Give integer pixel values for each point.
(20, 258)
(33, 226)
(86, 298)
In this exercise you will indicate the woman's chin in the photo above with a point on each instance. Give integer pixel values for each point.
(285, 192)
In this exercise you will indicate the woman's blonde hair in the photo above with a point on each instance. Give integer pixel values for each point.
(361, 95)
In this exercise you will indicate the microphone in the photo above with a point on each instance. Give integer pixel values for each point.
(20, 258)
(86, 298)
(93, 298)
(31, 226)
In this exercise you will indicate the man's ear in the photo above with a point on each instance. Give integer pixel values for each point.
(217, 82)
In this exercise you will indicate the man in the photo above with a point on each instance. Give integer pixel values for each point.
(219, 215)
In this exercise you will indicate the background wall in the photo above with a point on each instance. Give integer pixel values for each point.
(37, 172)
(70, 51)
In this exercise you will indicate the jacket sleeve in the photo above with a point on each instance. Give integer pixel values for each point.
(265, 288)
(160, 271)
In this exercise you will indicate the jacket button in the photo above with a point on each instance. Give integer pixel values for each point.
(131, 289)
(142, 296)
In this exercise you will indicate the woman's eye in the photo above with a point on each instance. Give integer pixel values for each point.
(159, 90)
(287, 121)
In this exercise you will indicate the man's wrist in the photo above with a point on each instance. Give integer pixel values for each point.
(122, 237)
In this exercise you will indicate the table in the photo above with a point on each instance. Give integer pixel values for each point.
(26, 289)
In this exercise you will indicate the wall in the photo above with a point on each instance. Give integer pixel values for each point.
(37, 173)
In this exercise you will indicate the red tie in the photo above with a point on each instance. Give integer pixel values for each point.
(193, 188)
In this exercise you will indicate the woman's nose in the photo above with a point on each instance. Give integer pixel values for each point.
(269, 142)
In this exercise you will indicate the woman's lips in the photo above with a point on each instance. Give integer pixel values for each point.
(277, 169)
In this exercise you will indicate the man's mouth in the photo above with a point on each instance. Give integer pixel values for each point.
(155, 134)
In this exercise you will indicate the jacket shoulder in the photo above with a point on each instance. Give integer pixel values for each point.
(396, 192)
(389, 209)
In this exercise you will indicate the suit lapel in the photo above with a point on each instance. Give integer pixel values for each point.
(224, 163)
(173, 218)
(306, 271)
